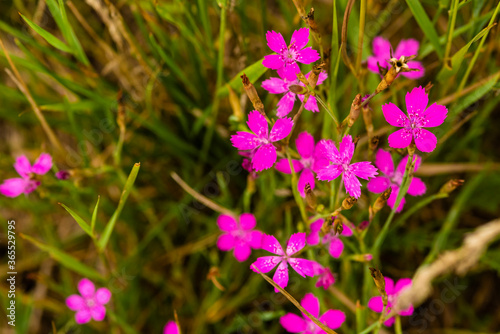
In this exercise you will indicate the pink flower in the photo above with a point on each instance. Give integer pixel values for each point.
(171, 328)
(265, 264)
(90, 305)
(382, 54)
(376, 304)
(285, 61)
(326, 278)
(239, 236)
(247, 163)
(63, 175)
(330, 239)
(26, 183)
(285, 104)
(309, 163)
(261, 140)
(393, 178)
(413, 124)
(341, 164)
(296, 324)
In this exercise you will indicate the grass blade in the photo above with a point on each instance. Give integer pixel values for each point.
(51, 39)
(253, 72)
(83, 224)
(94, 215)
(426, 25)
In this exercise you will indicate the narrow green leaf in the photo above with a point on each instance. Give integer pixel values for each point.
(253, 72)
(83, 224)
(103, 241)
(65, 259)
(94, 215)
(51, 39)
(425, 24)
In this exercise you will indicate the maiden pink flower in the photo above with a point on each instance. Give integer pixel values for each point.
(171, 328)
(382, 54)
(393, 178)
(376, 303)
(419, 117)
(26, 183)
(309, 163)
(330, 239)
(285, 61)
(326, 278)
(265, 264)
(90, 305)
(285, 104)
(296, 324)
(341, 164)
(239, 235)
(261, 140)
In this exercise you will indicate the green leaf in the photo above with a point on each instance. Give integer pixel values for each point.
(253, 72)
(51, 39)
(103, 241)
(83, 224)
(426, 25)
(94, 215)
(65, 259)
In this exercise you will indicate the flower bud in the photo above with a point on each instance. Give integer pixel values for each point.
(348, 202)
(311, 22)
(252, 94)
(355, 109)
(380, 202)
(297, 89)
(380, 283)
(310, 197)
(363, 225)
(451, 185)
(338, 226)
(314, 76)
(397, 66)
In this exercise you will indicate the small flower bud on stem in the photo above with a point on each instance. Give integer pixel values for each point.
(338, 226)
(310, 197)
(252, 94)
(397, 66)
(379, 280)
(379, 203)
(348, 202)
(314, 76)
(451, 185)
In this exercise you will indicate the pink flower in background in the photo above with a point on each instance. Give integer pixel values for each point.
(382, 54)
(285, 61)
(90, 305)
(63, 175)
(309, 163)
(330, 239)
(239, 235)
(265, 264)
(285, 104)
(393, 178)
(419, 117)
(293, 323)
(171, 328)
(341, 164)
(261, 140)
(247, 163)
(376, 304)
(26, 184)
(326, 278)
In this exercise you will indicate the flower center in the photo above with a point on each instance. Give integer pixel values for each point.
(90, 302)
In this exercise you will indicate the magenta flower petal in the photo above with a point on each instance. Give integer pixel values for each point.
(275, 41)
(402, 284)
(300, 38)
(83, 316)
(275, 85)
(242, 251)
(384, 162)
(378, 184)
(407, 47)
(245, 140)
(407, 312)
(13, 187)
(434, 115)
(313, 237)
(311, 104)
(247, 221)
(393, 115)
(400, 139)
(311, 303)
(306, 177)
(363, 169)
(264, 157)
(327, 149)
(102, 296)
(425, 141)
(281, 275)
(284, 166)
(225, 242)
(289, 71)
(86, 288)
(321, 78)
(296, 242)
(171, 328)
(273, 62)
(308, 55)
(376, 304)
(305, 144)
(258, 124)
(293, 323)
(98, 312)
(389, 322)
(416, 101)
(281, 129)
(373, 62)
(352, 184)
(346, 231)
(226, 223)
(285, 104)
(270, 244)
(303, 267)
(381, 47)
(346, 148)
(266, 263)
(414, 74)
(22, 166)
(392, 199)
(254, 239)
(330, 172)
(43, 164)
(417, 187)
(333, 318)
(336, 248)
(75, 302)
(389, 285)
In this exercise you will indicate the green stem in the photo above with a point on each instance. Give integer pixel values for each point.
(362, 16)
(451, 27)
(397, 325)
(296, 195)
